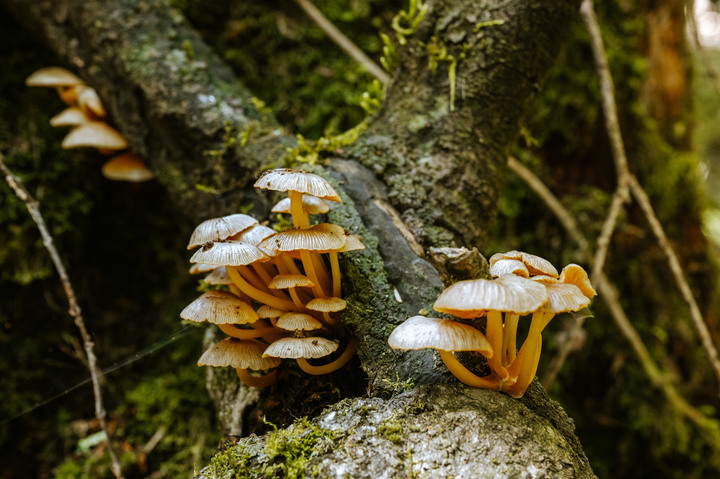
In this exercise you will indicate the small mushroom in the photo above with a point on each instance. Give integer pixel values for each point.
(71, 116)
(535, 264)
(420, 332)
(127, 167)
(473, 298)
(243, 356)
(95, 134)
(297, 183)
(561, 298)
(310, 204)
(64, 81)
(218, 229)
(225, 310)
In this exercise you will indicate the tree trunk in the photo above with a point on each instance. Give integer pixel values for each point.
(423, 174)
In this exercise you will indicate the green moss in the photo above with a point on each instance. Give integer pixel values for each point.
(287, 454)
(392, 430)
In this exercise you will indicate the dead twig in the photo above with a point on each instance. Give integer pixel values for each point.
(677, 272)
(343, 42)
(74, 309)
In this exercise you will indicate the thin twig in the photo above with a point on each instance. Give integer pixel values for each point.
(608, 293)
(343, 42)
(34, 208)
(625, 179)
(677, 272)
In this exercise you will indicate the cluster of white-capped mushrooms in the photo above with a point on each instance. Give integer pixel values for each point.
(284, 288)
(87, 117)
(524, 284)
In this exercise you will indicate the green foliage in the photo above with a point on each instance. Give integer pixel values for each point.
(287, 61)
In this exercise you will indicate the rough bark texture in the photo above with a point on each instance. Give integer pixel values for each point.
(426, 154)
(440, 431)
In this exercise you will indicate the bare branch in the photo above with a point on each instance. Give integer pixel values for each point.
(342, 41)
(677, 272)
(34, 208)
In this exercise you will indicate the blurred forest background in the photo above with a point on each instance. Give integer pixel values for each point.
(124, 244)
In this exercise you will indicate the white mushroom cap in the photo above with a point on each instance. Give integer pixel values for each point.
(127, 167)
(71, 116)
(352, 243)
(291, 180)
(266, 311)
(218, 276)
(326, 305)
(298, 322)
(219, 307)
(563, 298)
(324, 237)
(420, 332)
(218, 229)
(509, 293)
(95, 134)
(236, 353)
(574, 274)
(254, 235)
(285, 281)
(89, 101)
(294, 348)
(228, 253)
(310, 204)
(509, 266)
(200, 268)
(53, 77)
(535, 264)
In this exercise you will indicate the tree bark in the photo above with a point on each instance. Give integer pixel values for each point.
(423, 174)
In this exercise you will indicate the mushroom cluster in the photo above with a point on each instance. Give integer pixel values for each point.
(284, 287)
(524, 284)
(87, 117)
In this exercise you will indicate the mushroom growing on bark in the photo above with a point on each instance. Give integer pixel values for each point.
(474, 298)
(445, 335)
(243, 355)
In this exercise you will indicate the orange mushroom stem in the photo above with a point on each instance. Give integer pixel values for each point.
(299, 217)
(311, 273)
(494, 335)
(256, 381)
(528, 356)
(257, 294)
(239, 333)
(465, 375)
(509, 347)
(336, 275)
(341, 361)
(527, 373)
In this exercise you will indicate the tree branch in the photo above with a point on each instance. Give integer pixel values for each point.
(34, 209)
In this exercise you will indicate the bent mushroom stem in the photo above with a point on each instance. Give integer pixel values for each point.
(494, 335)
(332, 366)
(509, 347)
(256, 381)
(527, 373)
(321, 271)
(255, 293)
(310, 273)
(527, 352)
(465, 375)
(235, 332)
(299, 217)
(237, 292)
